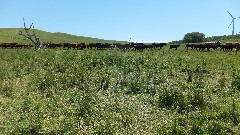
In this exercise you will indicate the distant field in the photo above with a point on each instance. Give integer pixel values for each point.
(58, 91)
(10, 35)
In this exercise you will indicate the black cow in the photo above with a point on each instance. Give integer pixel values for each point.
(212, 45)
(227, 47)
(91, 45)
(190, 45)
(104, 46)
(230, 46)
(174, 46)
(203, 46)
(158, 45)
(148, 46)
(74, 45)
(238, 48)
(138, 46)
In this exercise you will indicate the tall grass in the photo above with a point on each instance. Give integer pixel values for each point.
(114, 92)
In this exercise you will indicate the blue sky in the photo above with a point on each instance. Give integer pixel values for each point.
(140, 20)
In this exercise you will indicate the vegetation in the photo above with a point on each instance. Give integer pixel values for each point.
(10, 35)
(194, 37)
(223, 39)
(113, 92)
(30, 34)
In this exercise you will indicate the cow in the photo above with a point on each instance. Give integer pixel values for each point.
(174, 46)
(212, 45)
(229, 46)
(123, 47)
(91, 45)
(98, 46)
(138, 46)
(148, 46)
(112, 46)
(24, 46)
(158, 45)
(203, 46)
(53, 45)
(104, 46)
(199, 47)
(8, 45)
(238, 48)
(1, 44)
(190, 45)
(193, 46)
(74, 45)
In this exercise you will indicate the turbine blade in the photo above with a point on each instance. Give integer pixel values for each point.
(231, 23)
(230, 14)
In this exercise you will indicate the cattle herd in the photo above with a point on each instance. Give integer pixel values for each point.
(15, 45)
(207, 46)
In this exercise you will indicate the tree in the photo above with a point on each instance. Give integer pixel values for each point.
(31, 36)
(194, 37)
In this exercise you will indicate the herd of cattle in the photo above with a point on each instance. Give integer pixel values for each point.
(229, 46)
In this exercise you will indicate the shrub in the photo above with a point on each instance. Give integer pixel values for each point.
(172, 99)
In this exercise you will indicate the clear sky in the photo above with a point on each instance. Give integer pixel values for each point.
(140, 20)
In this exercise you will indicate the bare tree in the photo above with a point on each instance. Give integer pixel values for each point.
(31, 36)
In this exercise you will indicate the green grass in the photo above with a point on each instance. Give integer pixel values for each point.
(113, 92)
(10, 35)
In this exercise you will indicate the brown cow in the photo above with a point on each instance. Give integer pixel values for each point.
(8, 45)
(237, 46)
(52, 45)
(123, 47)
(24, 46)
(230, 46)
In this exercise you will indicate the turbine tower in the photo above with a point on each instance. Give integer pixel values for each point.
(232, 23)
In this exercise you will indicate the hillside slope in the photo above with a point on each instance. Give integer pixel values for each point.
(10, 35)
(223, 39)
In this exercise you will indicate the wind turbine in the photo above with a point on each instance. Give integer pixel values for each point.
(232, 23)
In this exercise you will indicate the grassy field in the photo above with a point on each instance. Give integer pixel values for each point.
(10, 35)
(113, 92)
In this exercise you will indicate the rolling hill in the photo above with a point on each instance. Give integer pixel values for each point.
(223, 39)
(10, 35)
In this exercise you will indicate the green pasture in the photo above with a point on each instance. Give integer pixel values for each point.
(57, 91)
(10, 35)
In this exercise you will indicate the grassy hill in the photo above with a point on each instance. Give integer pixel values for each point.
(223, 39)
(10, 35)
